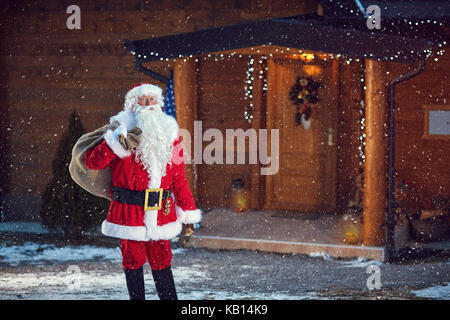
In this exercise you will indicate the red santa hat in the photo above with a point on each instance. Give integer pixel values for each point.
(143, 89)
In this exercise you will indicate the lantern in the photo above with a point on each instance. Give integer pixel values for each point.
(352, 228)
(239, 196)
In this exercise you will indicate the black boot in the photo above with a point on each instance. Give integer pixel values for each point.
(135, 283)
(165, 286)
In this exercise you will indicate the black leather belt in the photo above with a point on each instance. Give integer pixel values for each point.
(150, 199)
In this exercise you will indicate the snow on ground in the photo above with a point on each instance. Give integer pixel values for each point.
(45, 271)
(76, 283)
(435, 292)
(39, 254)
(34, 253)
(23, 227)
(67, 285)
(51, 276)
(321, 254)
(359, 262)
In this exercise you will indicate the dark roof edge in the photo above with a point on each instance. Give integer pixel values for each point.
(302, 32)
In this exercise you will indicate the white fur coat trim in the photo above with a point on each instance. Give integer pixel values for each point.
(123, 232)
(115, 145)
(142, 233)
(189, 216)
(125, 118)
(144, 89)
(164, 232)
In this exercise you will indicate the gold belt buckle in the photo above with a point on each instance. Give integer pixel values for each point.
(147, 191)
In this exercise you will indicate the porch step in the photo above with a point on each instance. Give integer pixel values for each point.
(292, 247)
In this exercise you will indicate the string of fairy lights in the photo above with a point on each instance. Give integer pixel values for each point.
(362, 130)
(248, 88)
(249, 84)
(283, 50)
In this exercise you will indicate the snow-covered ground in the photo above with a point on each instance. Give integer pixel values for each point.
(359, 262)
(46, 271)
(39, 254)
(435, 292)
(71, 281)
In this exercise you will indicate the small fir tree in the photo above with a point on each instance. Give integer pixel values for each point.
(66, 206)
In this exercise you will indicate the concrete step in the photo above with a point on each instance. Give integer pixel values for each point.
(291, 247)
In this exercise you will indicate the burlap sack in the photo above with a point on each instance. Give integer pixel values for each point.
(97, 182)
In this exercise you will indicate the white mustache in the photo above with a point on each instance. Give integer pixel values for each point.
(154, 107)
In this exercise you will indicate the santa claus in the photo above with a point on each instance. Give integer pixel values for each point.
(150, 195)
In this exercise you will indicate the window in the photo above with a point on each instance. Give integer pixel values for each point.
(437, 122)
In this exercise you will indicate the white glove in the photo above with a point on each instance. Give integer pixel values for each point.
(120, 130)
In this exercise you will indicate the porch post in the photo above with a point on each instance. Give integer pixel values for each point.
(185, 87)
(375, 167)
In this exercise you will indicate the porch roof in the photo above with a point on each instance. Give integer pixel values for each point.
(306, 32)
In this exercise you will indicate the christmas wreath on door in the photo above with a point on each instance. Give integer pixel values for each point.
(302, 94)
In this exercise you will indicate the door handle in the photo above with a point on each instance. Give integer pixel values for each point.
(330, 136)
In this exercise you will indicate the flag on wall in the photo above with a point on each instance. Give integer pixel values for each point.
(169, 100)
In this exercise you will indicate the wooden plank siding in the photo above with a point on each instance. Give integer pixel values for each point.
(221, 106)
(422, 163)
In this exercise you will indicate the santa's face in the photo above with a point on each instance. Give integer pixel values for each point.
(147, 100)
(147, 103)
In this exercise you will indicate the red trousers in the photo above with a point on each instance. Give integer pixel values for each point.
(136, 253)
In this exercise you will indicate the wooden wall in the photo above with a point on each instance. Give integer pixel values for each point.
(422, 163)
(47, 70)
(221, 106)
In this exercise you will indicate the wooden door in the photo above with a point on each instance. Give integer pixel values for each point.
(306, 180)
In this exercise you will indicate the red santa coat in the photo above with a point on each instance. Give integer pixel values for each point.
(127, 221)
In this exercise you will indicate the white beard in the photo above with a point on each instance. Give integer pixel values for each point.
(156, 145)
